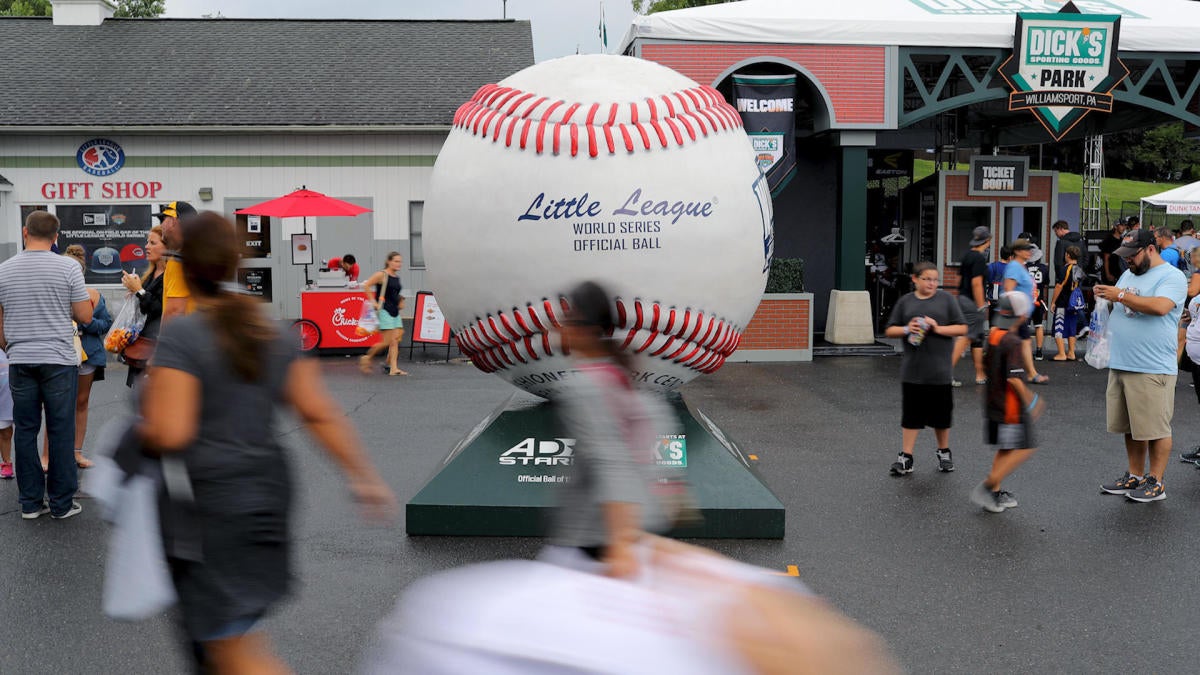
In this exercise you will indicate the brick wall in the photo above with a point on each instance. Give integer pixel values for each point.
(853, 75)
(778, 324)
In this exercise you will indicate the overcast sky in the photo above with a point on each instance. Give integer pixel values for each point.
(558, 25)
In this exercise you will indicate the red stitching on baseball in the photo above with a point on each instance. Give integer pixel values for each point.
(550, 313)
(666, 345)
(525, 132)
(501, 339)
(653, 334)
(517, 103)
(536, 319)
(674, 131)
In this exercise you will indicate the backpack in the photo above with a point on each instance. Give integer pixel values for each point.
(995, 280)
(1185, 261)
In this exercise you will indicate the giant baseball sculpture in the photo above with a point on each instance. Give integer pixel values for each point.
(606, 168)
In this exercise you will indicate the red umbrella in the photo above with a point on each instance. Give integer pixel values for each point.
(303, 203)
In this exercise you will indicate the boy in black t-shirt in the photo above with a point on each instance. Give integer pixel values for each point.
(1010, 407)
(928, 320)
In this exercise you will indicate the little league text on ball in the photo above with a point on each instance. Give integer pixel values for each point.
(585, 207)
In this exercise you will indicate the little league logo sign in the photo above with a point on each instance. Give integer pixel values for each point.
(1064, 66)
(100, 157)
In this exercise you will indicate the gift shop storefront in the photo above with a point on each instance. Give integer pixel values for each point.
(109, 144)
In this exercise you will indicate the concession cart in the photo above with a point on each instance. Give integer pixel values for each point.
(329, 309)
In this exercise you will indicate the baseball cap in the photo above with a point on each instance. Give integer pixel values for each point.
(980, 235)
(132, 253)
(1021, 245)
(1134, 242)
(106, 260)
(1011, 309)
(1036, 253)
(176, 210)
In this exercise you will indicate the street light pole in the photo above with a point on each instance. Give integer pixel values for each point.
(505, 10)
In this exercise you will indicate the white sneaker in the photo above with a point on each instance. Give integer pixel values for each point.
(76, 507)
(33, 515)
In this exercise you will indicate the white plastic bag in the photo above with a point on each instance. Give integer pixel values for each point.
(368, 321)
(137, 583)
(1097, 342)
(126, 327)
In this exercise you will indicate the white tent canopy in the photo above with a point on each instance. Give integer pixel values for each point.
(1146, 25)
(1183, 200)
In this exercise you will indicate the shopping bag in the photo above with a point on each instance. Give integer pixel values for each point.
(1097, 342)
(137, 582)
(126, 326)
(368, 321)
(1076, 301)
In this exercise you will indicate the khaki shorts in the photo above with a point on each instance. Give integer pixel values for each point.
(1140, 404)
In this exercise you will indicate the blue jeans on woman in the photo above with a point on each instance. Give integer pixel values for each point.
(50, 388)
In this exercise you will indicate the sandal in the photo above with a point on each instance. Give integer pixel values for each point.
(397, 372)
(981, 380)
(1040, 379)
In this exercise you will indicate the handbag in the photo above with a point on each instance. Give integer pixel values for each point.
(138, 353)
(79, 353)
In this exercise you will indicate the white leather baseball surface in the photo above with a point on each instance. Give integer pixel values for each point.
(603, 168)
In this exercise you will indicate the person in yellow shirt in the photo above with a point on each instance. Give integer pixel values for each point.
(177, 300)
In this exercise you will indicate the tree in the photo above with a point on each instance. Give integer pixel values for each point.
(1166, 154)
(24, 7)
(148, 9)
(652, 6)
(139, 9)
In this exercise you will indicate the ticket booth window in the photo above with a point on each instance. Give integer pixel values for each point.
(1024, 218)
(963, 221)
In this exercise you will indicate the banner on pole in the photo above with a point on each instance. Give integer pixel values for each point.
(767, 106)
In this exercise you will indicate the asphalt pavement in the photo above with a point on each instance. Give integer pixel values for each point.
(1071, 581)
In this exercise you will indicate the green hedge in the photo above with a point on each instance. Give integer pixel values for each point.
(786, 276)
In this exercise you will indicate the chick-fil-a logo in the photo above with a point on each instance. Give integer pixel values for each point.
(345, 321)
(636, 204)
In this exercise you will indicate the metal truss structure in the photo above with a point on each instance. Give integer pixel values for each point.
(1091, 200)
(935, 80)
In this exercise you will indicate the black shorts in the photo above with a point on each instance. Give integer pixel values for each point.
(1038, 317)
(926, 405)
(1024, 331)
(1010, 436)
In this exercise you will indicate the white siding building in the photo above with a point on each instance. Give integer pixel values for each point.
(227, 113)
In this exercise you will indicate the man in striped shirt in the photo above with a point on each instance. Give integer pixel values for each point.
(40, 294)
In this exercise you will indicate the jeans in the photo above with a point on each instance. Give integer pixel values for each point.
(52, 389)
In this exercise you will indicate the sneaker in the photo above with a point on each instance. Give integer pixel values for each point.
(1122, 485)
(1006, 499)
(903, 465)
(1150, 490)
(955, 383)
(1039, 355)
(6, 470)
(1192, 455)
(33, 515)
(986, 499)
(945, 462)
(76, 507)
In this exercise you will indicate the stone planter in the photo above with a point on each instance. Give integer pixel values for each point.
(781, 330)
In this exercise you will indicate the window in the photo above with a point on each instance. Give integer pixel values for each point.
(416, 248)
(963, 221)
